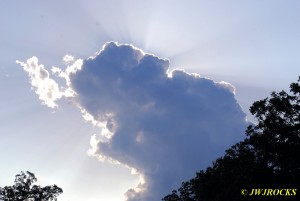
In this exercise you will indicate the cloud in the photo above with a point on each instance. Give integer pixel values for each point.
(165, 124)
(45, 87)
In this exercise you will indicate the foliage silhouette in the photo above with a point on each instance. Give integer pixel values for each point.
(24, 190)
(267, 158)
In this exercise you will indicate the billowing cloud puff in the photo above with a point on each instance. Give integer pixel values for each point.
(165, 124)
(45, 87)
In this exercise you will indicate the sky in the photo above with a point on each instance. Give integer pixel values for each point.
(132, 118)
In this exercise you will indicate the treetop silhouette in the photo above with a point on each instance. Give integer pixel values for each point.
(24, 190)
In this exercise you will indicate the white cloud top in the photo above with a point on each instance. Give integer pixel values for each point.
(165, 124)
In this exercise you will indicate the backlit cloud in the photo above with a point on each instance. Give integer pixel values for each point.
(164, 124)
(46, 88)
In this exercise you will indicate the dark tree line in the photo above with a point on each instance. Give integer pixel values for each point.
(268, 158)
(24, 190)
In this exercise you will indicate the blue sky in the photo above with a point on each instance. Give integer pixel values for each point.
(253, 45)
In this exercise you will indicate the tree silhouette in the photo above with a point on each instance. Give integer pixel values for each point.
(24, 190)
(268, 157)
(276, 137)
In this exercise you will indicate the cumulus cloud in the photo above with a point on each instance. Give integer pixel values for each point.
(45, 87)
(165, 124)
